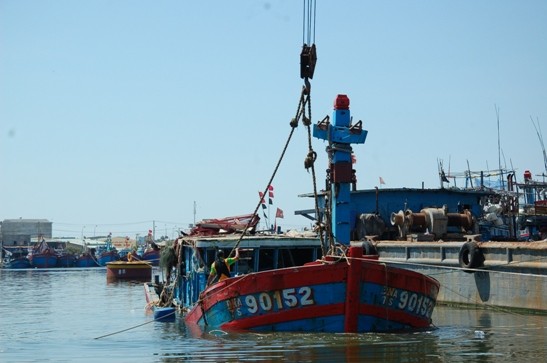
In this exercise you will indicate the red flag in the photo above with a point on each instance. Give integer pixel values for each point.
(279, 213)
(261, 195)
(353, 159)
(382, 180)
(270, 193)
(270, 188)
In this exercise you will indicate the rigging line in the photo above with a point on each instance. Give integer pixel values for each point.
(540, 137)
(304, 22)
(308, 21)
(314, 17)
(272, 176)
(133, 327)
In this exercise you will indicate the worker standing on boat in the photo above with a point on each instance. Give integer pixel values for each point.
(220, 269)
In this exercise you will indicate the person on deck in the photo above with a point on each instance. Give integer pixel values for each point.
(220, 269)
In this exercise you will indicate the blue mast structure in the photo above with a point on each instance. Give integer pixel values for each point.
(340, 135)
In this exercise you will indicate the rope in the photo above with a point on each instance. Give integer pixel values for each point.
(134, 327)
(293, 123)
(308, 21)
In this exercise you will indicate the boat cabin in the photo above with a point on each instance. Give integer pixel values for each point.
(256, 253)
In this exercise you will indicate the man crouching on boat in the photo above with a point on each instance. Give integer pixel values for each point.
(220, 269)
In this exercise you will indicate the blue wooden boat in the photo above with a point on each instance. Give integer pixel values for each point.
(43, 256)
(86, 259)
(300, 284)
(17, 263)
(108, 256)
(164, 313)
(66, 259)
(15, 258)
(161, 313)
(151, 255)
(108, 253)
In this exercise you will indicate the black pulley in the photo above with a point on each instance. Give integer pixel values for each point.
(308, 58)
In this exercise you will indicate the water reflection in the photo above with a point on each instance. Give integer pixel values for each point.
(56, 315)
(462, 335)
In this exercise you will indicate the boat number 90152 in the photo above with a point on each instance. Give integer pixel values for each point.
(409, 301)
(279, 299)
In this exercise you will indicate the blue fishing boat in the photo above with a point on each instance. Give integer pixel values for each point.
(300, 283)
(151, 251)
(86, 259)
(17, 263)
(43, 256)
(15, 258)
(108, 253)
(151, 255)
(66, 259)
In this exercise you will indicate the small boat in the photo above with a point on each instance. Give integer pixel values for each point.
(129, 270)
(43, 256)
(161, 313)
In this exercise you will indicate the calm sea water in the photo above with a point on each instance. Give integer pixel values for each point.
(74, 315)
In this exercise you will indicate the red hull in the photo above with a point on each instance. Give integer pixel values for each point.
(353, 295)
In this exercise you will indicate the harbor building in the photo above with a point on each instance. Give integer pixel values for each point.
(20, 232)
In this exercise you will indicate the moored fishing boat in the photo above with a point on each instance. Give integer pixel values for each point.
(151, 252)
(108, 253)
(153, 302)
(15, 258)
(16, 263)
(66, 259)
(86, 259)
(152, 256)
(43, 256)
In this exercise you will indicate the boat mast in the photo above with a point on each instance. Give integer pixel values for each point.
(340, 175)
(502, 181)
(540, 137)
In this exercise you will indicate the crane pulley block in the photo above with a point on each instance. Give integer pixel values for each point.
(308, 58)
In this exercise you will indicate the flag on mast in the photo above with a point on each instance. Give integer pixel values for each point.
(262, 201)
(278, 213)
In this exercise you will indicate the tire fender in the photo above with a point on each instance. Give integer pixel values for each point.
(470, 255)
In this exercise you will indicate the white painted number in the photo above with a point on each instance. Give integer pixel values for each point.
(415, 303)
(280, 299)
(290, 299)
(250, 301)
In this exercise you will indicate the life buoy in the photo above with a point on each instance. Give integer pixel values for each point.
(470, 255)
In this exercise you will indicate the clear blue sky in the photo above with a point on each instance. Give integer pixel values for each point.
(114, 114)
